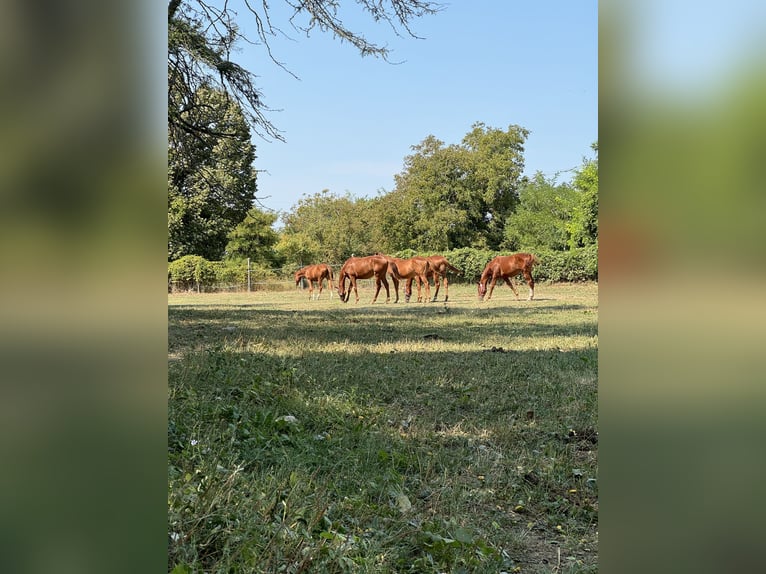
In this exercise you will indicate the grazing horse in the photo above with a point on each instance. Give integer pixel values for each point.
(506, 267)
(438, 270)
(409, 269)
(363, 268)
(312, 273)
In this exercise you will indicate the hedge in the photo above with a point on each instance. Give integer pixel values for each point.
(576, 265)
(195, 273)
(191, 272)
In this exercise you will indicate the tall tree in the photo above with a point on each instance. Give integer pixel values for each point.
(542, 217)
(583, 228)
(460, 195)
(327, 228)
(211, 181)
(254, 238)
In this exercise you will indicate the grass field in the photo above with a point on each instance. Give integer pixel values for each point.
(318, 436)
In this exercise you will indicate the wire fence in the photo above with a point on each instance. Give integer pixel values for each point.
(254, 286)
(250, 278)
(280, 279)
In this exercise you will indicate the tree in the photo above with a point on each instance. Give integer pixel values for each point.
(202, 38)
(255, 239)
(460, 195)
(203, 79)
(542, 217)
(583, 227)
(211, 181)
(328, 228)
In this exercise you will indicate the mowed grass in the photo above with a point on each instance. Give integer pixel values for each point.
(318, 436)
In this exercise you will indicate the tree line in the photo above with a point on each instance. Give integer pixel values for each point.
(448, 197)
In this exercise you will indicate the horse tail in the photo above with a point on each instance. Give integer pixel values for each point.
(453, 268)
(394, 268)
(535, 260)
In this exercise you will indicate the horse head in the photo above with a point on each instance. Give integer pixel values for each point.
(342, 293)
(482, 290)
(298, 277)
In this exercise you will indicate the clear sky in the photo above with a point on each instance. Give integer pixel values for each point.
(350, 121)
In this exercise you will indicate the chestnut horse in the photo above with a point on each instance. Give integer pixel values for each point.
(312, 273)
(438, 270)
(506, 267)
(363, 268)
(409, 269)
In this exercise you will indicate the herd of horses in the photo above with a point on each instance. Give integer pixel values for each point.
(420, 269)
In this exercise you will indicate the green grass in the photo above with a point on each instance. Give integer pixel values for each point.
(318, 436)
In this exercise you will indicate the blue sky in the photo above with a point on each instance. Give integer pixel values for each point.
(350, 121)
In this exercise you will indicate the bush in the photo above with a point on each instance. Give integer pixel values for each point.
(191, 272)
(575, 265)
(195, 273)
(231, 273)
(470, 261)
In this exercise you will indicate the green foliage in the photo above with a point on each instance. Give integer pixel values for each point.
(195, 273)
(470, 261)
(297, 249)
(211, 182)
(231, 272)
(457, 195)
(575, 265)
(583, 226)
(325, 227)
(254, 238)
(191, 272)
(541, 218)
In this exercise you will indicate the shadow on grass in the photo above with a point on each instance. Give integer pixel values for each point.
(191, 326)
(461, 436)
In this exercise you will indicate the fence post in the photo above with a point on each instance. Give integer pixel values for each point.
(248, 275)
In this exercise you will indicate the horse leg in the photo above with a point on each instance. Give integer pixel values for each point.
(408, 290)
(321, 283)
(311, 290)
(420, 290)
(446, 288)
(436, 284)
(396, 286)
(388, 293)
(530, 282)
(491, 287)
(353, 284)
(509, 280)
(428, 289)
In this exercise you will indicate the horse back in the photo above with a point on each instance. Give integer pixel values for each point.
(365, 267)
